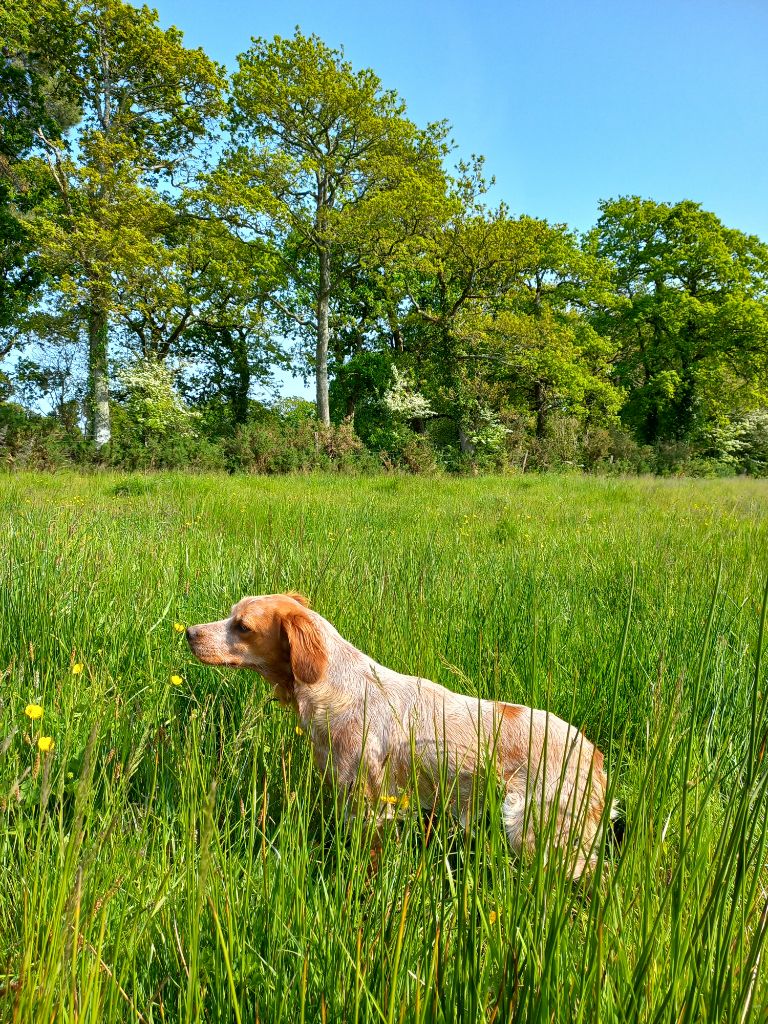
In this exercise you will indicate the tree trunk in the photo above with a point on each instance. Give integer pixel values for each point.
(242, 369)
(539, 401)
(466, 445)
(99, 426)
(397, 334)
(321, 358)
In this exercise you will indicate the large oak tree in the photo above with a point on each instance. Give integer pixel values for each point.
(323, 162)
(146, 101)
(690, 313)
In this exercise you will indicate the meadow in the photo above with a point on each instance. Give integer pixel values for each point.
(172, 856)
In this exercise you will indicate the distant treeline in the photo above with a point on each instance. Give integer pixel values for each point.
(172, 236)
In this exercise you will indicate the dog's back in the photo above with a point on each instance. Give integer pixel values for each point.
(555, 785)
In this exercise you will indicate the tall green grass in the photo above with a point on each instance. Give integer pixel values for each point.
(173, 858)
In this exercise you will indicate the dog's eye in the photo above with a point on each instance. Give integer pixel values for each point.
(241, 627)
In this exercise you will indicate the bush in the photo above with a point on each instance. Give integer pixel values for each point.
(279, 446)
(30, 441)
(287, 438)
(140, 449)
(419, 455)
(754, 439)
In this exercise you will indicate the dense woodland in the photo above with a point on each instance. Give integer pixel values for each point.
(172, 236)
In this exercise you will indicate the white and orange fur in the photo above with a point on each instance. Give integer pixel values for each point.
(381, 730)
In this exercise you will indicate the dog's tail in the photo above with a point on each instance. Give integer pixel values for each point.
(617, 824)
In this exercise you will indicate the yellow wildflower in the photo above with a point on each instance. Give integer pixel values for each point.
(179, 627)
(492, 917)
(403, 801)
(77, 669)
(177, 680)
(299, 731)
(45, 743)
(33, 711)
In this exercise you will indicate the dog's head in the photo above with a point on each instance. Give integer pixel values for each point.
(274, 635)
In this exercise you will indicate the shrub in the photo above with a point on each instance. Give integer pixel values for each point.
(754, 441)
(279, 446)
(30, 441)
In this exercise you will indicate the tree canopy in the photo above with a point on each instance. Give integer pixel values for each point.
(177, 235)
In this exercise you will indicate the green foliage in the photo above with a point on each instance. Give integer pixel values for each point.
(324, 161)
(294, 441)
(31, 441)
(447, 332)
(144, 103)
(151, 401)
(689, 313)
(36, 96)
(358, 387)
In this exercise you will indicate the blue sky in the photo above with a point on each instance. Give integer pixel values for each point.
(569, 102)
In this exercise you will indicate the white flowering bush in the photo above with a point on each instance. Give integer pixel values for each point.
(485, 436)
(403, 402)
(152, 402)
(754, 442)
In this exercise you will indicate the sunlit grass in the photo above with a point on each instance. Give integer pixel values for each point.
(170, 855)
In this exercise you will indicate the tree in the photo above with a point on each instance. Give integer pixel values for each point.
(49, 370)
(544, 346)
(494, 317)
(691, 315)
(199, 295)
(194, 271)
(323, 161)
(224, 364)
(35, 95)
(146, 102)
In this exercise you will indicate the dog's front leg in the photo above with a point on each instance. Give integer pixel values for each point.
(366, 795)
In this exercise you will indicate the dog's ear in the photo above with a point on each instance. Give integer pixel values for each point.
(298, 597)
(309, 658)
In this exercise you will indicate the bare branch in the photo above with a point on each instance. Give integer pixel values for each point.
(301, 321)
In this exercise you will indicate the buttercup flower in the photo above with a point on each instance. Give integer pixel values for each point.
(33, 711)
(299, 731)
(45, 743)
(77, 669)
(177, 680)
(403, 801)
(179, 627)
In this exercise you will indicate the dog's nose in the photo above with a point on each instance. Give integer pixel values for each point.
(190, 633)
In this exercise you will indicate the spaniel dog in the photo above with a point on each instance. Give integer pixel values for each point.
(387, 732)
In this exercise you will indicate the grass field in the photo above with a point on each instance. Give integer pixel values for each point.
(173, 858)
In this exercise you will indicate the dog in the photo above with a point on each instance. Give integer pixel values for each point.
(386, 732)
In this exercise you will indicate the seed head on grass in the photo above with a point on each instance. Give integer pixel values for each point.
(33, 711)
